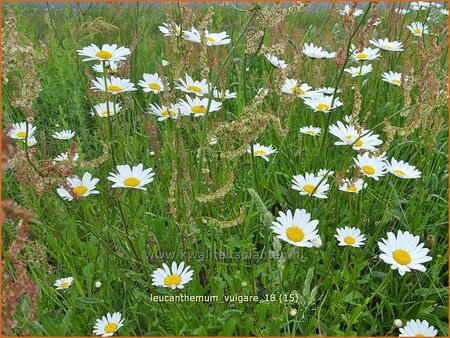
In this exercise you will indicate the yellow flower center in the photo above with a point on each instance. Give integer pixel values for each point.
(131, 182)
(210, 39)
(198, 109)
(80, 190)
(369, 170)
(357, 72)
(172, 280)
(105, 113)
(396, 81)
(259, 152)
(64, 285)
(420, 335)
(399, 172)
(194, 89)
(401, 257)
(110, 327)
(322, 107)
(417, 31)
(349, 240)
(348, 137)
(21, 134)
(168, 112)
(352, 188)
(388, 46)
(358, 143)
(362, 56)
(104, 54)
(154, 86)
(295, 234)
(297, 90)
(310, 132)
(309, 188)
(114, 88)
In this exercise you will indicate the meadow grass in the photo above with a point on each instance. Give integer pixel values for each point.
(120, 236)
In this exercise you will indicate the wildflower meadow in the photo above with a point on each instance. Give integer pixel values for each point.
(225, 169)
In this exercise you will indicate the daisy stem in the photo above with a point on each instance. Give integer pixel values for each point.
(108, 112)
(358, 310)
(255, 173)
(131, 243)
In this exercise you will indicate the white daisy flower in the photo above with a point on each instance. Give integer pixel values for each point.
(402, 252)
(347, 9)
(151, 83)
(192, 35)
(106, 326)
(350, 237)
(317, 52)
(163, 112)
(291, 86)
(328, 90)
(392, 78)
(370, 166)
(114, 85)
(325, 173)
(170, 29)
(101, 109)
(112, 66)
(216, 39)
(276, 62)
(19, 131)
(322, 103)
(106, 53)
(359, 71)
(366, 54)
(262, 151)
(197, 106)
(418, 28)
(127, 177)
(210, 39)
(198, 88)
(353, 187)
(64, 135)
(420, 5)
(63, 283)
(348, 135)
(444, 11)
(175, 278)
(402, 169)
(310, 185)
(402, 11)
(80, 188)
(224, 95)
(417, 328)
(64, 157)
(313, 131)
(385, 44)
(298, 229)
